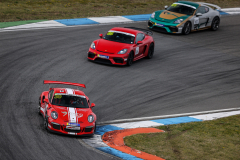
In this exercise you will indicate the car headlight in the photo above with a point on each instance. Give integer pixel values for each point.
(153, 15)
(178, 21)
(93, 45)
(90, 118)
(54, 115)
(123, 51)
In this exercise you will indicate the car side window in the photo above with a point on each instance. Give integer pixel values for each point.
(139, 37)
(43, 97)
(206, 9)
(202, 10)
(50, 95)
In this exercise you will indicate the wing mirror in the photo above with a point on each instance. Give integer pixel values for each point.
(166, 7)
(100, 35)
(199, 14)
(139, 42)
(92, 105)
(46, 100)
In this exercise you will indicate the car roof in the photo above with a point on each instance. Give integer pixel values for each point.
(196, 5)
(68, 91)
(127, 30)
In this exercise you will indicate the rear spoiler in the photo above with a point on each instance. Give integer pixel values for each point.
(141, 29)
(211, 5)
(66, 83)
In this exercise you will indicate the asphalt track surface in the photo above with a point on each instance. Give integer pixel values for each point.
(198, 72)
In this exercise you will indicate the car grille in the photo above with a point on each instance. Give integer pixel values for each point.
(150, 24)
(56, 126)
(91, 55)
(104, 61)
(88, 129)
(159, 29)
(72, 130)
(118, 60)
(173, 29)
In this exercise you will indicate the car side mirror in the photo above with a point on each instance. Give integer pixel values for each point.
(46, 100)
(165, 7)
(100, 35)
(139, 42)
(199, 14)
(92, 105)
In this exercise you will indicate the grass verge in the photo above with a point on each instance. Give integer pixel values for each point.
(21, 10)
(209, 140)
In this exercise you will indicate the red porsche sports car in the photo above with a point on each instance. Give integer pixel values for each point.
(122, 46)
(66, 110)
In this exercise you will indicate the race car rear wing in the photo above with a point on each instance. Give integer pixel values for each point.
(141, 29)
(66, 83)
(216, 7)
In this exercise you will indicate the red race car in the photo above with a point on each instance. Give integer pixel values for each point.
(122, 46)
(66, 110)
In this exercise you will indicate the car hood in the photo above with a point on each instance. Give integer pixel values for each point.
(111, 46)
(169, 17)
(70, 114)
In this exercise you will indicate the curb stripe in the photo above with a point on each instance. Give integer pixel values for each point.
(97, 141)
(78, 21)
(88, 21)
(114, 139)
(100, 130)
(176, 120)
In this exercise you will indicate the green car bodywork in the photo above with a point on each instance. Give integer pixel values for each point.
(182, 17)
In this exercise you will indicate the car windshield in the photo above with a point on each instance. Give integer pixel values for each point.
(70, 101)
(181, 8)
(118, 36)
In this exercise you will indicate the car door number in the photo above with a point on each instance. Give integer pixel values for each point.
(196, 20)
(137, 51)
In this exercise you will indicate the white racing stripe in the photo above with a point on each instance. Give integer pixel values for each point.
(69, 91)
(72, 115)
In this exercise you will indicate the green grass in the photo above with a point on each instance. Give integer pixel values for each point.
(21, 10)
(209, 140)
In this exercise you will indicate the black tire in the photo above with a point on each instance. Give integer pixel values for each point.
(215, 23)
(39, 108)
(39, 104)
(130, 59)
(95, 127)
(45, 122)
(150, 51)
(187, 28)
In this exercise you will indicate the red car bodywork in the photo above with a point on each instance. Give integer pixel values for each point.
(70, 120)
(106, 48)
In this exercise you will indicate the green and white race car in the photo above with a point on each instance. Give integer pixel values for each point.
(184, 17)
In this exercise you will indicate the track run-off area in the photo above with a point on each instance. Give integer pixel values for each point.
(193, 73)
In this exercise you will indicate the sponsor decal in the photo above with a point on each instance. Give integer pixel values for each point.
(158, 24)
(73, 124)
(57, 96)
(110, 33)
(123, 33)
(102, 56)
(64, 113)
(79, 115)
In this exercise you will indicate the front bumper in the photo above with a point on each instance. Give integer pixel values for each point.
(164, 27)
(82, 129)
(107, 58)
